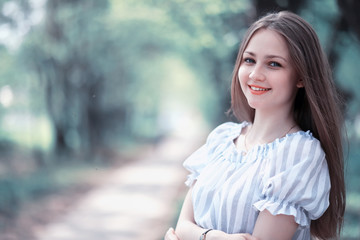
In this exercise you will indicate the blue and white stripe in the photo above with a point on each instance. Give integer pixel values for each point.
(287, 176)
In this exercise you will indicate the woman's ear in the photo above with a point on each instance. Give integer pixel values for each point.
(300, 84)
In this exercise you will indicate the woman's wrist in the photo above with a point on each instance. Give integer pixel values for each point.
(215, 235)
(203, 235)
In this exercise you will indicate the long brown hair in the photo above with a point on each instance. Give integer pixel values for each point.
(316, 106)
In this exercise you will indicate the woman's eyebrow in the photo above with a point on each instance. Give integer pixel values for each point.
(276, 56)
(267, 56)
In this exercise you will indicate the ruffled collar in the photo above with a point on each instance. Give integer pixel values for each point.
(236, 132)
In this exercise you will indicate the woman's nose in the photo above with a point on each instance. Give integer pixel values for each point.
(256, 74)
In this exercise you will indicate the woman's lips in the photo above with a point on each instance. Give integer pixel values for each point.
(258, 90)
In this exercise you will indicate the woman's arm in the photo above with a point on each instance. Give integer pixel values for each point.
(268, 226)
(187, 229)
(279, 227)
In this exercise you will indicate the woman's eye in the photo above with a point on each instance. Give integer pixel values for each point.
(275, 64)
(249, 60)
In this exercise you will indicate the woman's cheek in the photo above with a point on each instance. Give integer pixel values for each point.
(242, 77)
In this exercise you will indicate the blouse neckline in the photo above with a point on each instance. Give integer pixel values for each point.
(237, 132)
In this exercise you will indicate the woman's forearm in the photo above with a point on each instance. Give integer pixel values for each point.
(187, 230)
(190, 231)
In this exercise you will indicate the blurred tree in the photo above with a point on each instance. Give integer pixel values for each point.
(212, 30)
(11, 8)
(65, 54)
(94, 63)
(88, 55)
(264, 6)
(350, 12)
(347, 24)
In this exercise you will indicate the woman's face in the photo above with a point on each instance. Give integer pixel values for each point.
(266, 74)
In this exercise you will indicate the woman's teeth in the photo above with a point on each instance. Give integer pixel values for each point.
(259, 89)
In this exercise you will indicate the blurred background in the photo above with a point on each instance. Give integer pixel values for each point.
(89, 84)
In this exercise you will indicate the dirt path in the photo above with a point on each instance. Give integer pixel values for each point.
(137, 201)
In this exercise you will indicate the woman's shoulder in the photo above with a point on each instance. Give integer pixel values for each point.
(225, 130)
(303, 138)
(300, 145)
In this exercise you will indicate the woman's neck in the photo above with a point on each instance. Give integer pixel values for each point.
(268, 127)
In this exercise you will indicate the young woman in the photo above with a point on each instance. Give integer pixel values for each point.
(278, 174)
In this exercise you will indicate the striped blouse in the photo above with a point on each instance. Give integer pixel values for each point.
(287, 176)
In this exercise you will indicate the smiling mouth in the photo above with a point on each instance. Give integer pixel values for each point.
(257, 90)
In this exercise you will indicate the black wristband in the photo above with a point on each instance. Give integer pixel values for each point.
(203, 236)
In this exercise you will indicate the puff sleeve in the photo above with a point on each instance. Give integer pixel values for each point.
(296, 181)
(197, 161)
